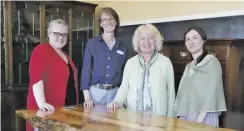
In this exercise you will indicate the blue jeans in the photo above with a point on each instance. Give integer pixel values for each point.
(102, 96)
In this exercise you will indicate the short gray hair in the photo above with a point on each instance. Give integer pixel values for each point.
(57, 21)
(158, 37)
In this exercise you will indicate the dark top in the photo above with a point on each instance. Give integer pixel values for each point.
(70, 98)
(102, 65)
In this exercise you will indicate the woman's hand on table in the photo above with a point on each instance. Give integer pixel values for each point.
(47, 107)
(42, 113)
(88, 103)
(113, 105)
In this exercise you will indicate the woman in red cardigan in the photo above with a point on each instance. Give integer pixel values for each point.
(53, 75)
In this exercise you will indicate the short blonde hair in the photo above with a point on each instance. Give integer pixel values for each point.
(158, 37)
(57, 21)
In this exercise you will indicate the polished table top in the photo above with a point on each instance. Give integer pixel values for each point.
(99, 118)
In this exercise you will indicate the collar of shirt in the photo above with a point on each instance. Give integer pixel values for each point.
(116, 45)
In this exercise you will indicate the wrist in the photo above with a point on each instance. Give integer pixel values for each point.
(87, 98)
(118, 103)
(198, 121)
(86, 95)
(40, 103)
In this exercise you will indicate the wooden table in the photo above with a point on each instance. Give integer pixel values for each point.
(99, 118)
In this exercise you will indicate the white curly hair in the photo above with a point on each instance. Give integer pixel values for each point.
(157, 35)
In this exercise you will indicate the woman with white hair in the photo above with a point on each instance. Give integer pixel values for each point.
(53, 75)
(148, 79)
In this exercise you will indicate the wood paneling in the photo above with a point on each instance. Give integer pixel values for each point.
(178, 67)
(221, 52)
(224, 67)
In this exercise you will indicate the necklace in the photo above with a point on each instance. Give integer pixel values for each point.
(110, 43)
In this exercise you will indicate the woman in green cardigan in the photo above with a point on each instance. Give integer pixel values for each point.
(148, 79)
(200, 96)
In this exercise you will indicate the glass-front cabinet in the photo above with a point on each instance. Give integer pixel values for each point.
(3, 43)
(24, 26)
(25, 36)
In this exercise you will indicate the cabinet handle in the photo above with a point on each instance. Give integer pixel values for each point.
(183, 54)
(212, 53)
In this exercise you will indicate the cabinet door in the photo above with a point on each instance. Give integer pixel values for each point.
(53, 12)
(3, 43)
(82, 31)
(177, 52)
(179, 67)
(177, 61)
(25, 36)
(220, 51)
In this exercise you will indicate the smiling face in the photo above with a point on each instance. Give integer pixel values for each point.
(58, 35)
(194, 42)
(108, 23)
(146, 42)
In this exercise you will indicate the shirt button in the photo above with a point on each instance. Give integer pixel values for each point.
(109, 58)
(107, 66)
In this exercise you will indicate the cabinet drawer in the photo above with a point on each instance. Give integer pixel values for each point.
(220, 51)
(223, 66)
(177, 53)
(180, 53)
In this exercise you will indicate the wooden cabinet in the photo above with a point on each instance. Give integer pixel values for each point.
(28, 28)
(230, 53)
(24, 26)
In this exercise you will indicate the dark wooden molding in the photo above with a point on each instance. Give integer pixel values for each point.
(10, 42)
(42, 22)
(220, 41)
(76, 5)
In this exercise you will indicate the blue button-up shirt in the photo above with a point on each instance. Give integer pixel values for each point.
(101, 65)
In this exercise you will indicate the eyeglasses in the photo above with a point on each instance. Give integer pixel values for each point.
(108, 20)
(57, 34)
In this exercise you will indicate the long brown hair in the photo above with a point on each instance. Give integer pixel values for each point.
(113, 13)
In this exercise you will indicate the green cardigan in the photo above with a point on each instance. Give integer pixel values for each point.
(201, 88)
(162, 85)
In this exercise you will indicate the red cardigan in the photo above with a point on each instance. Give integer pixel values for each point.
(47, 65)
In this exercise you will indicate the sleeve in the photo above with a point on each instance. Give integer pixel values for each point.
(124, 88)
(38, 64)
(170, 89)
(86, 68)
